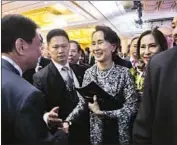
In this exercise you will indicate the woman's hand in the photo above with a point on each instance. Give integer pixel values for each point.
(94, 107)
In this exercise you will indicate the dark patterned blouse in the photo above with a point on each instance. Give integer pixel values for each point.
(116, 80)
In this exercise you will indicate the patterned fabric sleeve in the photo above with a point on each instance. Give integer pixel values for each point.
(77, 110)
(87, 78)
(131, 100)
(129, 109)
(81, 105)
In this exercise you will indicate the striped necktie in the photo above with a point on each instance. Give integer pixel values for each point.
(68, 80)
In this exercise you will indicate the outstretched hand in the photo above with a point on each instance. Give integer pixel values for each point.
(53, 119)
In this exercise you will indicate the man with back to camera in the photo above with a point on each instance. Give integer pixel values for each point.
(156, 122)
(22, 103)
(58, 81)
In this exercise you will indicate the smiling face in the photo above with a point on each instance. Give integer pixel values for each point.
(101, 49)
(59, 49)
(148, 47)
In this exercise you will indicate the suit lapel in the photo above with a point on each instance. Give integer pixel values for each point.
(78, 73)
(58, 80)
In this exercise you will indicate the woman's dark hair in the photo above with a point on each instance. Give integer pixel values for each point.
(159, 39)
(14, 26)
(110, 36)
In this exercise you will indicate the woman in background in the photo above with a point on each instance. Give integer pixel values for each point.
(149, 43)
(111, 126)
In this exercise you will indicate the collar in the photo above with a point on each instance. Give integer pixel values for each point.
(131, 59)
(39, 59)
(13, 63)
(59, 66)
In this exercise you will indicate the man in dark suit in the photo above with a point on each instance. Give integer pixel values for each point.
(42, 62)
(75, 52)
(22, 104)
(57, 80)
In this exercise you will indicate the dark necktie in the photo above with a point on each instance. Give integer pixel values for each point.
(68, 80)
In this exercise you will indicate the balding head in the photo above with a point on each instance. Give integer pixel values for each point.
(167, 32)
(174, 22)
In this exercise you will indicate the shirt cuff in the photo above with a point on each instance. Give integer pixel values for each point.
(45, 116)
(69, 122)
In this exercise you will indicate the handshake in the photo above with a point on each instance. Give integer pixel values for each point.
(52, 120)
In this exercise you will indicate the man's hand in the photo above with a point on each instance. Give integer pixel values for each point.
(53, 119)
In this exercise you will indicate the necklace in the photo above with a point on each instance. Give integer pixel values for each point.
(104, 74)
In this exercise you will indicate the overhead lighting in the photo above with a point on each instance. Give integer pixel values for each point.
(108, 8)
(60, 22)
(59, 7)
(57, 22)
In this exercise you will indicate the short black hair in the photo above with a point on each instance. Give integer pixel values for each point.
(110, 36)
(87, 49)
(78, 45)
(56, 32)
(16, 26)
(159, 39)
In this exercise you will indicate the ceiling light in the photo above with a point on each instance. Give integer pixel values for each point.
(60, 22)
(59, 7)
